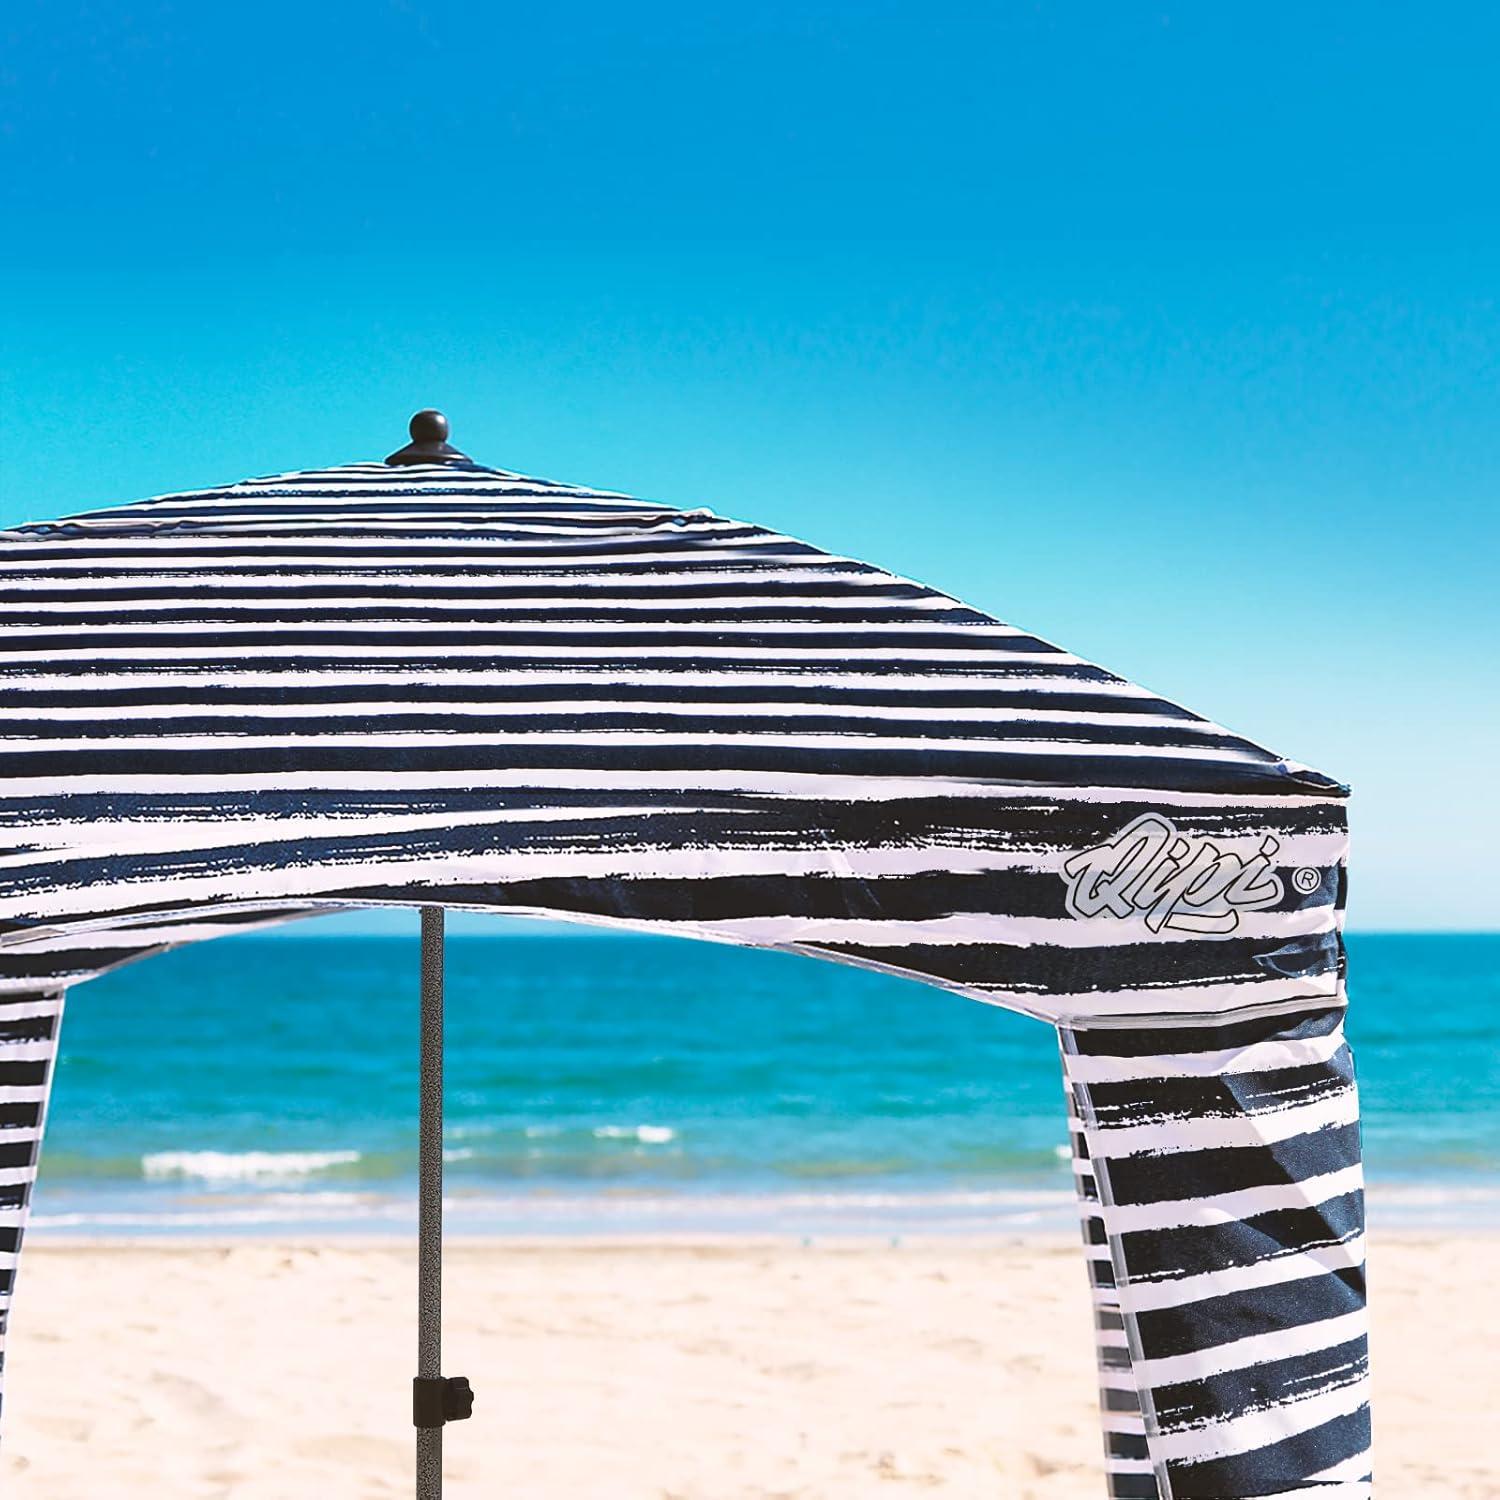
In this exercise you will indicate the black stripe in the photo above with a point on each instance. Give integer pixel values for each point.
(1155, 1041)
(539, 662)
(1267, 1470)
(577, 719)
(1191, 1250)
(1154, 1099)
(1236, 1392)
(329, 633)
(1075, 970)
(308, 621)
(842, 760)
(1176, 1175)
(18, 1075)
(191, 588)
(1219, 1320)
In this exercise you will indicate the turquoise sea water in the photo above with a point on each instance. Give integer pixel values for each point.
(603, 1083)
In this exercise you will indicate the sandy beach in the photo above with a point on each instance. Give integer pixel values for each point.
(661, 1371)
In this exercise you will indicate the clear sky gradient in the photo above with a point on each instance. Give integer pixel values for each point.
(1168, 333)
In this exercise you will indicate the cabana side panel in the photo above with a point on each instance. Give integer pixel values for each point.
(1225, 1190)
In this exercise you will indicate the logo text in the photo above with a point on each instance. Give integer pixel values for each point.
(1170, 880)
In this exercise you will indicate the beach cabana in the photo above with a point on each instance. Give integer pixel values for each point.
(429, 683)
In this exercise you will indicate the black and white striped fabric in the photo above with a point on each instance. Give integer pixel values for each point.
(460, 686)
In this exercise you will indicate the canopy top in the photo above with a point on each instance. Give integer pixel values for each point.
(434, 682)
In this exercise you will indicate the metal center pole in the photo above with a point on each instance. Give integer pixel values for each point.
(430, 1198)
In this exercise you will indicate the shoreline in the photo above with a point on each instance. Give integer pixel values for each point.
(941, 1214)
(1047, 1241)
(66, 1241)
(1067, 1246)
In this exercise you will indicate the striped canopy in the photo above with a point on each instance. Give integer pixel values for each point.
(454, 685)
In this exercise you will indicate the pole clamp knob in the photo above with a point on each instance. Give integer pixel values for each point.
(439, 1399)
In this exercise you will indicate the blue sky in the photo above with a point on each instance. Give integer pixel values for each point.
(1170, 334)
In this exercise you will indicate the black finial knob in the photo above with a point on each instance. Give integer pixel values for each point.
(429, 426)
(429, 442)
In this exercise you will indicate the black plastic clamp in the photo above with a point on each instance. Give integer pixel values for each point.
(440, 1399)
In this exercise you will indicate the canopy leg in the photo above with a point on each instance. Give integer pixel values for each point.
(1127, 1460)
(430, 1201)
(30, 1025)
(1225, 1159)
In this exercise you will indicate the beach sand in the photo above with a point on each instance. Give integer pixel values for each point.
(667, 1371)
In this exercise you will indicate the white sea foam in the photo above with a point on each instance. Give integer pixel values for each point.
(647, 1135)
(241, 1166)
(1425, 1194)
(256, 1200)
(274, 1211)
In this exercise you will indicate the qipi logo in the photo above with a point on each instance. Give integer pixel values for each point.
(1174, 882)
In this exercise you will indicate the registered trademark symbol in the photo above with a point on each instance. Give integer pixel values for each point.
(1307, 880)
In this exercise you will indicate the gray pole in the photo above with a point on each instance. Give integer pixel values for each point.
(430, 1198)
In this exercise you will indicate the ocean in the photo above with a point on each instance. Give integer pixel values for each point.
(619, 1084)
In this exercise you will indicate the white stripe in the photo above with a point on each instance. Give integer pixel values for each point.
(209, 555)
(499, 866)
(31, 1010)
(294, 517)
(659, 738)
(517, 524)
(757, 674)
(1350, 1471)
(324, 612)
(132, 556)
(1217, 1132)
(575, 578)
(1254, 1057)
(960, 928)
(59, 841)
(328, 611)
(28, 1051)
(153, 545)
(153, 936)
(374, 651)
